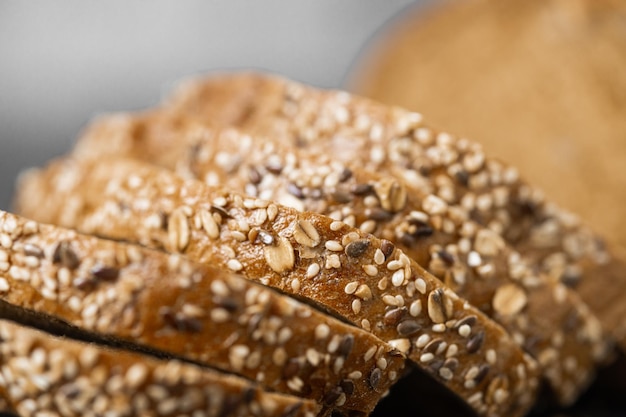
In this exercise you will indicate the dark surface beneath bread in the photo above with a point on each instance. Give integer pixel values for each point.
(416, 395)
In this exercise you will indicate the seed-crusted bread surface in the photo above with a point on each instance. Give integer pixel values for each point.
(340, 268)
(542, 314)
(206, 315)
(392, 140)
(47, 375)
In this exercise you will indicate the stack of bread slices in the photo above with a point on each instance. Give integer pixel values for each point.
(257, 247)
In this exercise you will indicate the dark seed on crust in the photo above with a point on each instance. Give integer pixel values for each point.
(462, 177)
(482, 373)
(221, 211)
(469, 320)
(332, 396)
(346, 174)
(294, 190)
(346, 345)
(432, 346)
(347, 386)
(451, 363)
(105, 273)
(341, 197)
(422, 231)
(362, 189)
(375, 378)
(446, 257)
(64, 255)
(475, 342)
(357, 248)
(408, 328)
(387, 247)
(393, 317)
(254, 176)
(33, 250)
(379, 215)
(84, 284)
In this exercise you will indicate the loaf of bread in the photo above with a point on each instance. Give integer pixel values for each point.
(365, 280)
(206, 315)
(473, 260)
(46, 375)
(394, 141)
(470, 259)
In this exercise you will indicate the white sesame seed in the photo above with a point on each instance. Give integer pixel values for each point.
(452, 350)
(356, 306)
(370, 270)
(439, 328)
(465, 330)
(295, 285)
(312, 270)
(369, 354)
(336, 225)
(426, 357)
(394, 265)
(491, 356)
(234, 265)
(416, 308)
(351, 287)
(420, 285)
(474, 259)
(220, 315)
(322, 331)
(379, 257)
(422, 341)
(397, 278)
(333, 245)
(4, 285)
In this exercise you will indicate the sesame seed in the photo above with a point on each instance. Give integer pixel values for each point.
(491, 356)
(370, 270)
(295, 285)
(415, 308)
(439, 328)
(312, 270)
(379, 257)
(465, 330)
(474, 259)
(356, 306)
(420, 285)
(397, 278)
(351, 287)
(426, 357)
(369, 354)
(234, 265)
(422, 341)
(322, 331)
(4, 285)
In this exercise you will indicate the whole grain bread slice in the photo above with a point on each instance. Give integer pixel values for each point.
(48, 375)
(339, 268)
(206, 315)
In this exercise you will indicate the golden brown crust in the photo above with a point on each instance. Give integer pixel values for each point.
(395, 141)
(48, 375)
(545, 317)
(338, 267)
(206, 315)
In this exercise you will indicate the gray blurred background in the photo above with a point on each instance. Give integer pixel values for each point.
(63, 62)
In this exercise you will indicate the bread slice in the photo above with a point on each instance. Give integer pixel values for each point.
(394, 141)
(48, 375)
(337, 267)
(206, 315)
(472, 260)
